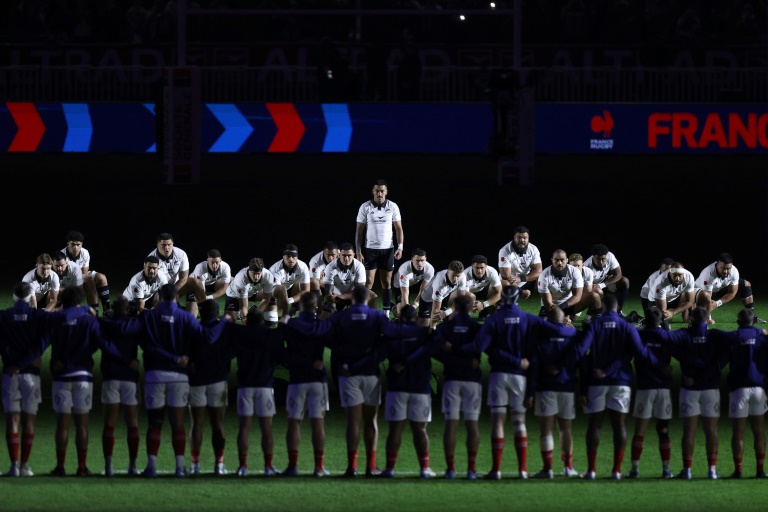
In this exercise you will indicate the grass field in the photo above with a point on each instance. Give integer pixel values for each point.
(407, 492)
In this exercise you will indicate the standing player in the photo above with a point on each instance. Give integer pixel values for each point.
(257, 349)
(357, 334)
(483, 285)
(653, 398)
(506, 338)
(608, 277)
(120, 386)
(441, 292)
(308, 386)
(317, 266)
(251, 281)
(415, 271)
(144, 285)
(174, 263)
(73, 343)
(45, 284)
(22, 329)
(94, 283)
(292, 279)
(210, 365)
(462, 388)
(550, 386)
(701, 361)
(520, 261)
(672, 293)
(719, 283)
(605, 377)
(373, 241)
(746, 378)
(212, 276)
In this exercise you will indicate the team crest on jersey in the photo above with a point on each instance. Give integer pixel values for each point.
(706, 283)
(314, 269)
(503, 259)
(402, 276)
(135, 289)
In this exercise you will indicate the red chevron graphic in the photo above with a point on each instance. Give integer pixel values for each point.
(290, 129)
(30, 127)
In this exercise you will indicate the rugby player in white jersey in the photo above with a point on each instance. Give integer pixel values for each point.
(673, 293)
(520, 262)
(416, 271)
(212, 276)
(719, 283)
(251, 281)
(144, 285)
(69, 273)
(665, 264)
(45, 283)
(174, 263)
(442, 291)
(292, 276)
(374, 243)
(577, 260)
(318, 263)
(562, 285)
(484, 284)
(95, 283)
(608, 277)
(339, 280)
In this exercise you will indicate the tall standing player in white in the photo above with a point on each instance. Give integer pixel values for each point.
(374, 244)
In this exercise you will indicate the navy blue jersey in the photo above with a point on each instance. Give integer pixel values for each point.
(553, 360)
(116, 368)
(701, 357)
(747, 352)
(458, 365)
(356, 334)
(305, 340)
(211, 362)
(23, 335)
(655, 376)
(412, 346)
(258, 349)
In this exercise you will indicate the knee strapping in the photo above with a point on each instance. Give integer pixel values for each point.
(662, 429)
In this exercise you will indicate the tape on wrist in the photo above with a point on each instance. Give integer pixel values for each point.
(400, 246)
(209, 297)
(448, 311)
(485, 304)
(719, 303)
(290, 300)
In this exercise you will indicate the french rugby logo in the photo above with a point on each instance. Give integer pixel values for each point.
(602, 125)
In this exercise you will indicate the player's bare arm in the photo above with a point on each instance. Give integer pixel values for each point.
(399, 240)
(360, 242)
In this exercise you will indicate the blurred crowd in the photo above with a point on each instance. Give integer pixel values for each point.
(604, 22)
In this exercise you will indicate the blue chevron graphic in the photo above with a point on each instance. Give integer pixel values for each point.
(79, 127)
(339, 125)
(236, 128)
(151, 108)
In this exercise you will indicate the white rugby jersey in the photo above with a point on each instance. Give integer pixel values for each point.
(317, 265)
(343, 280)
(663, 289)
(378, 221)
(648, 283)
(491, 279)
(407, 277)
(242, 287)
(178, 262)
(83, 259)
(588, 275)
(601, 274)
(710, 281)
(519, 263)
(141, 289)
(560, 288)
(300, 274)
(51, 283)
(203, 272)
(440, 288)
(73, 276)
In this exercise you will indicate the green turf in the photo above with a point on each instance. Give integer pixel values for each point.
(406, 492)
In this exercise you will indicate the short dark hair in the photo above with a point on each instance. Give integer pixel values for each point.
(164, 236)
(610, 302)
(745, 317)
(331, 246)
(308, 301)
(479, 258)
(418, 251)
(214, 253)
(462, 304)
(556, 315)
(152, 259)
(360, 293)
(725, 258)
(75, 236)
(654, 317)
(22, 291)
(290, 248)
(346, 246)
(668, 261)
(168, 292)
(456, 266)
(599, 250)
(379, 183)
(209, 310)
(520, 229)
(59, 255)
(72, 296)
(254, 317)
(408, 314)
(256, 265)
(699, 315)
